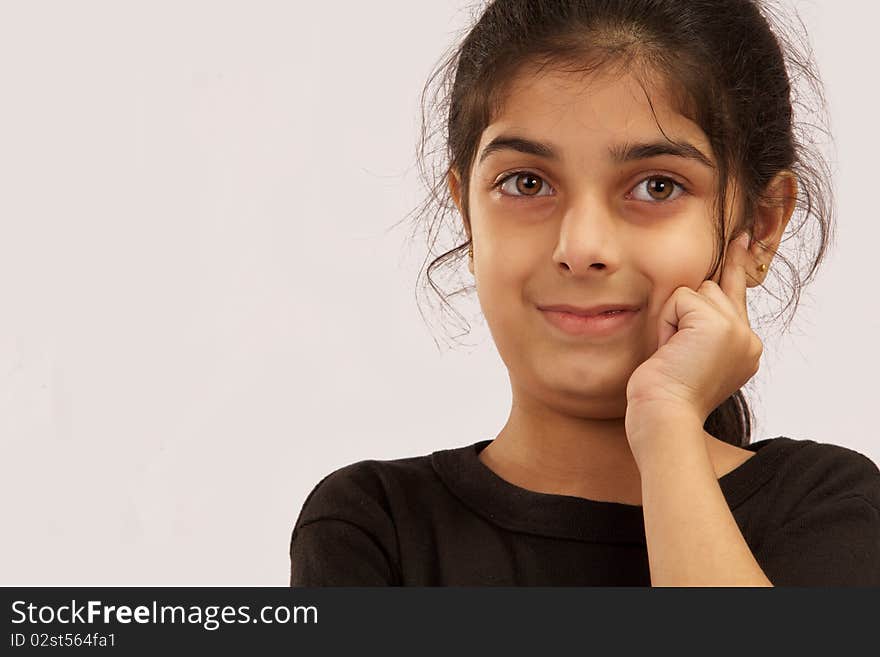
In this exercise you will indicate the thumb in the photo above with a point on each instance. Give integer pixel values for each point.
(667, 321)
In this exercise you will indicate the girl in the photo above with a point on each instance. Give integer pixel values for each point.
(623, 171)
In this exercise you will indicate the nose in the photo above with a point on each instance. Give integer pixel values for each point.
(589, 239)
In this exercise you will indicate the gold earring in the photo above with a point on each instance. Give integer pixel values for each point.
(471, 251)
(762, 268)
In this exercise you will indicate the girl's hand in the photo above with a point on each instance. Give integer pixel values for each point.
(706, 352)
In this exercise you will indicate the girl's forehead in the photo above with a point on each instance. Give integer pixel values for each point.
(598, 103)
(582, 116)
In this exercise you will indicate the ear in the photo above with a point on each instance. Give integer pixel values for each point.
(771, 219)
(454, 182)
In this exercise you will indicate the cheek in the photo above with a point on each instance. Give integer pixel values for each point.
(498, 285)
(675, 263)
(501, 285)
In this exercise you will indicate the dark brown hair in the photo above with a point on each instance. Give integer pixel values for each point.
(730, 67)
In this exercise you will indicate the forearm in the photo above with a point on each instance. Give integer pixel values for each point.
(692, 536)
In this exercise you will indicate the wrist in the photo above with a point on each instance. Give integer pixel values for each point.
(649, 416)
(653, 431)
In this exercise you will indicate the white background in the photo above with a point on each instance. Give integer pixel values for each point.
(203, 309)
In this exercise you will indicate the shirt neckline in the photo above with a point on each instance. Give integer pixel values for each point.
(566, 516)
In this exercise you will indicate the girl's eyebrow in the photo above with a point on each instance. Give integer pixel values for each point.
(619, 154)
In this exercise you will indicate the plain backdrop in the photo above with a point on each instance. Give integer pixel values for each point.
(204, 310)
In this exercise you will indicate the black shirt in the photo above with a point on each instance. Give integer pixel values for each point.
(810, 512)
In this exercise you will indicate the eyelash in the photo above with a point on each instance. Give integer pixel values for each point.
(508, 176)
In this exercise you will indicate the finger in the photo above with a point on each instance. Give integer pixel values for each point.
(673, 313)
(734, 272)
(712, 293)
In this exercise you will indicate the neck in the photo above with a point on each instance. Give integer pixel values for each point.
(548, 449)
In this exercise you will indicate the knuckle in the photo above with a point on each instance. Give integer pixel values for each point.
(756, 347)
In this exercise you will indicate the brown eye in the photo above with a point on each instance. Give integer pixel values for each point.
(660, 188)
(525, 184)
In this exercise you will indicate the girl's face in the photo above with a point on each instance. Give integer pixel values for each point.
(590, 217)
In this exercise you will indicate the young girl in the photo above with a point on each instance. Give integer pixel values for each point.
(623, 171)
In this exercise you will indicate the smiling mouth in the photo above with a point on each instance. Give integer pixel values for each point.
(607, 323)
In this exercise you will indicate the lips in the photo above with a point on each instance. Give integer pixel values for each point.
(591, 311)
(605, 324)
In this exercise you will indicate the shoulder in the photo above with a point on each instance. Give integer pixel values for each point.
(812, 473)
(365, 490)
(347, 533)
(823, 517)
